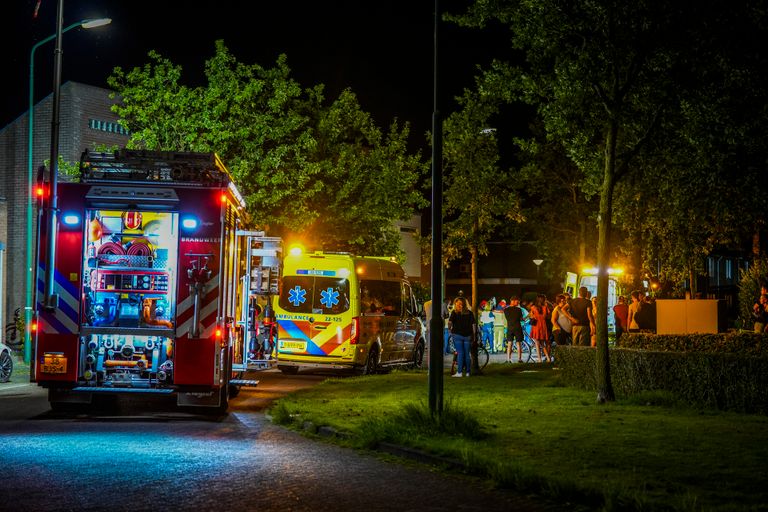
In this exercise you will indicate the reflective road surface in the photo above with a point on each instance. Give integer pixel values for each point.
(147, 456)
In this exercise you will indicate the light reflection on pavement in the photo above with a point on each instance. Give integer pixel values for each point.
(142, 457)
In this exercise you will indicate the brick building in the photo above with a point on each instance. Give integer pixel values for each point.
(86, 120)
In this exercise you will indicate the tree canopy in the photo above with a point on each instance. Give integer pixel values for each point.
(621, 89)
(320, 172)
(479, 198)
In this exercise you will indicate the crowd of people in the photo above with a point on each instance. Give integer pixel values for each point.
(502, 327)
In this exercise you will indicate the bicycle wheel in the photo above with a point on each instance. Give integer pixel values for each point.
(527, 350)
(482, 356)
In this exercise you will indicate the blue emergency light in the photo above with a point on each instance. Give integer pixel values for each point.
(189, 223)
(71, 219)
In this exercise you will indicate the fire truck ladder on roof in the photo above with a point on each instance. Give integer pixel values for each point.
(154, 167)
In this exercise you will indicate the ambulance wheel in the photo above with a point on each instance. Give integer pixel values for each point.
(418, 355)
(372, 362)
(289, 370)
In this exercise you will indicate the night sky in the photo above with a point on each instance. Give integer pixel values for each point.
(382, 50)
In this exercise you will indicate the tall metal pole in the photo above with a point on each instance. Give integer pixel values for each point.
(31, 263)
(51, 299)
(436, 323)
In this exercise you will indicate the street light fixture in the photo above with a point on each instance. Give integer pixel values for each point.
(538, 263)
(87, 24)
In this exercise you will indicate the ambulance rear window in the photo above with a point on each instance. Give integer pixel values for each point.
(314, 295)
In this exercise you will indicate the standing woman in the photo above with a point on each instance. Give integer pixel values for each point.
(539, 331)
(634, 309)
(462, 325)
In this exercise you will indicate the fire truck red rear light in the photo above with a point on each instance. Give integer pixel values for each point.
(218, 333)
(354, 332)
(223, 198)
(33, 326)
(39, 191)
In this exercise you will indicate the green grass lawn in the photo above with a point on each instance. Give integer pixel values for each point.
(526, 431)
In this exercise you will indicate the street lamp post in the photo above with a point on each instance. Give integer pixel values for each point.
(435, 376)
(538, 263)
(31, 272)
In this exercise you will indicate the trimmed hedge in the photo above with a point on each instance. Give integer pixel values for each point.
(725, 381)
(744, 342)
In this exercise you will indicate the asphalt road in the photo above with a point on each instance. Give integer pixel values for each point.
(142, 455)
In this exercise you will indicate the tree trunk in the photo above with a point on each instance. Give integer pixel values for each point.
(756, 244)
(475, 301)
(692, 280)
(604, 386)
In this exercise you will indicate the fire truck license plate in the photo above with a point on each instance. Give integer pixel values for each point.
(54, 363)
(293, 345)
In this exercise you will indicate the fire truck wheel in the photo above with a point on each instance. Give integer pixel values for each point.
(221, 409)
(233, 390)
(69, 408)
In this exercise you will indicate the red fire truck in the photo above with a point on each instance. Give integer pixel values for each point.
(154, 282)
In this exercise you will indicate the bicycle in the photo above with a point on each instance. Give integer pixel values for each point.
(12, 339)
(529, 347)
(483, 357)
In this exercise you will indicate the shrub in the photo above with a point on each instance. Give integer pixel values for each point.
(725, 381)
(748, 343)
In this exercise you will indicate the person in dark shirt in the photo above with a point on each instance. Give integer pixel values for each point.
(461, 323)
(579, 309)
(515, 317)
(646, 317)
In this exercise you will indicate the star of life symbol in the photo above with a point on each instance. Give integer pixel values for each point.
(297, 296)
(329, 298)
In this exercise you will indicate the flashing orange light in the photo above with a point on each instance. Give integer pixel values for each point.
(33, 326)
(223, 198)
(39, 191)
(218, 333)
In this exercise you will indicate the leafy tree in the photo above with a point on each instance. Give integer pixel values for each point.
(478, 199)
(696, 191)
(323, 172)
(559, 216)
(610, 81)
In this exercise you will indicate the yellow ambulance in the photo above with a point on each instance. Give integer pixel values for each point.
(336, 311)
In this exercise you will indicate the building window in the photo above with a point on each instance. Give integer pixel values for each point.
(107, 126)
(729, 269)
